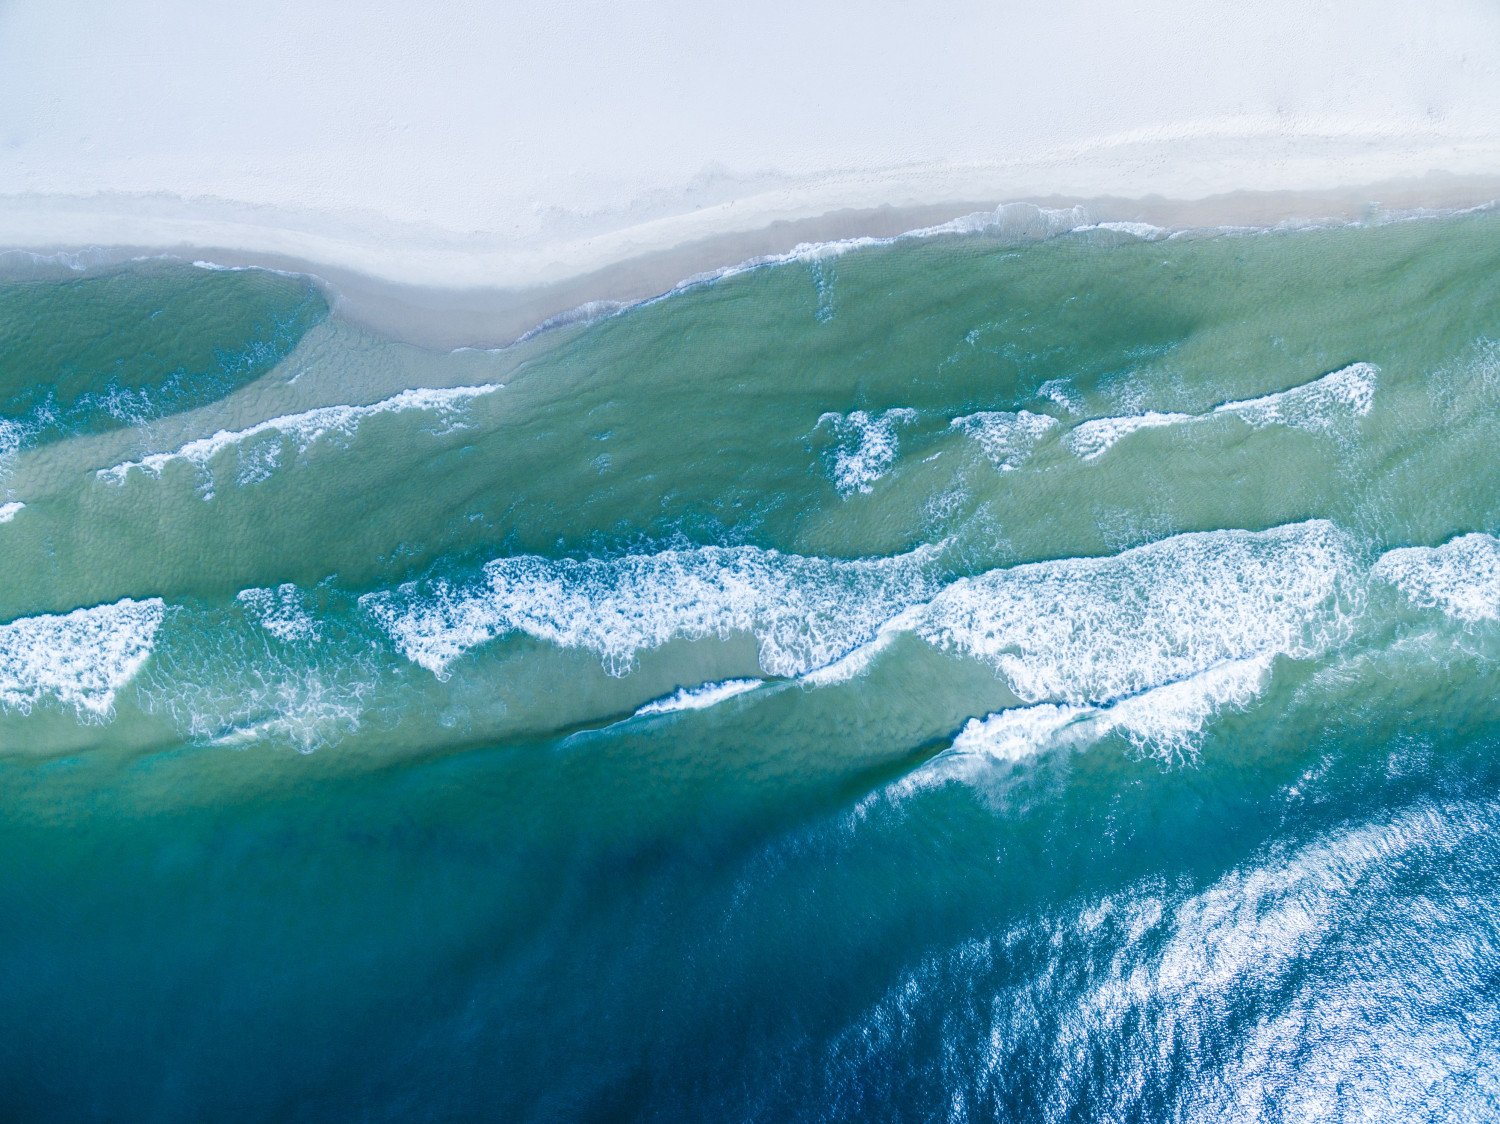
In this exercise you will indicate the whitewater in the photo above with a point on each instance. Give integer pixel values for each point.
(961, 675)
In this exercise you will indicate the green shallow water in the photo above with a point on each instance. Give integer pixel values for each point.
(1068, 672)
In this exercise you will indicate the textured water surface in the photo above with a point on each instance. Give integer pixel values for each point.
(967, 678)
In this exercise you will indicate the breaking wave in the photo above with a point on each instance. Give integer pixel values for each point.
(804, 612)
(699, 698)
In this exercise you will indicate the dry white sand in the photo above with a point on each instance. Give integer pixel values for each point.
(548, 151)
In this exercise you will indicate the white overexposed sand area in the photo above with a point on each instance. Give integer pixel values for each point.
(484, 166)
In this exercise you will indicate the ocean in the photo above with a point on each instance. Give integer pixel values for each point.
(967, 677)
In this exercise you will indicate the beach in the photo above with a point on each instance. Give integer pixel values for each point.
(467, 176)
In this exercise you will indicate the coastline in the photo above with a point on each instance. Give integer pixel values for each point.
(424, 288)
(460, 174)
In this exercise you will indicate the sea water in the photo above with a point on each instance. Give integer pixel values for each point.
(963, 678)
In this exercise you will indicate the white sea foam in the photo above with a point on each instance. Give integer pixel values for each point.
(1007, 439)
(1319, 406)
(1016, 734)
(1165, 721)
(281, 612)
(1094, 438)
(700, 697)
(305, 713)
(867, 446)
(1169, 719)
(12, 436)
(17, 433)
(1153, 640)
(1094, 630)
(1058, 390)
(804, 612)
(1143, 230)
(855, 662)
(260, 447)
(9, 511)
(80, 658)
(1461, 577)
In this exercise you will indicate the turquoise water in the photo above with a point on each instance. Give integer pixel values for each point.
(957, 679)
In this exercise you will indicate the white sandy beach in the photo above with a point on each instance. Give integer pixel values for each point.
(550, 155)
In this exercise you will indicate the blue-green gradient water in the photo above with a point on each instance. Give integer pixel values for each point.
(959, 679)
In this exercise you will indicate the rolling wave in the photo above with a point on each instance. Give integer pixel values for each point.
(261, 446)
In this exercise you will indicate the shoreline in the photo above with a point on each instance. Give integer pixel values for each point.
(417, 308)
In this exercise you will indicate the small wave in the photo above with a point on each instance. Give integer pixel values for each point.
(1023, 220)
(805, 612)
(1169, 719)
(867, 446)
(700, 697)
(303, 429)
(80, 658)
(1319, 406)
(9, 511)
(1461, 577)
(1094, 438)
(1007, 439)
(854, 663)
(75, 261)
(1145, 231)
